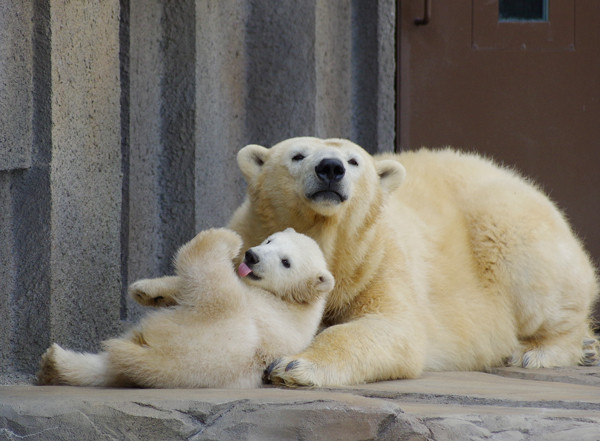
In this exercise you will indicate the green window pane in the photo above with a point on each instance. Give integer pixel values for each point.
(523, 10)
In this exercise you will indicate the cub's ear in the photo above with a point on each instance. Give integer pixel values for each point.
(391, 174)
(324, 282)
(250, 160)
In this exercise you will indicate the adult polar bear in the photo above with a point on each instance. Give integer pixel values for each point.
(460, 266)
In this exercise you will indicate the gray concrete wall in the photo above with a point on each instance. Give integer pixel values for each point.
(119, 126)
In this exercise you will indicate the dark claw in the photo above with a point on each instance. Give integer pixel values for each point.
(266, 378)
(291, 365)
(270, 368)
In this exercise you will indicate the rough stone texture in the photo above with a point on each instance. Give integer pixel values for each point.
(16, 75)
(281, 73)
(439, 406)
(85, 173)
(373, 71)
(333, 29)
(220, 110)
(26, 217)
(144, 241)
(160, 182)
(321, 68)
(7, 269)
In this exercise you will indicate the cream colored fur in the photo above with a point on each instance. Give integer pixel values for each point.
(222, 332)
(442, 260)
(461, 265)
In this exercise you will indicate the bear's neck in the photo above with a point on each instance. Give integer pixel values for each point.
(352, 241)
(354, 249)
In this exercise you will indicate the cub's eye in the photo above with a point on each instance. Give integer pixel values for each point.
(268, 241)
(298, 157)
(353, 162)
(285, 263)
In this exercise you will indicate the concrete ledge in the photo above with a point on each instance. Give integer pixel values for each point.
(548, 404)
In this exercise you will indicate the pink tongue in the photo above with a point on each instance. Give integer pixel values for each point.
(244, 270)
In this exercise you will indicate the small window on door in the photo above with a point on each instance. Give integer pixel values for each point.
(522, 10)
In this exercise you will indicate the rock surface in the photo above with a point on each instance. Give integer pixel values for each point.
(505, 404)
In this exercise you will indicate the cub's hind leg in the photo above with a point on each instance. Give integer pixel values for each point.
(63, 366)
(141, 364)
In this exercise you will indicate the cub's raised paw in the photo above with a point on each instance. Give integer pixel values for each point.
(142, 292)
(220, 240)
(291, 372)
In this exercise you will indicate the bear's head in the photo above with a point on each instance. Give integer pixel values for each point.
(289, 265)
(303, 177)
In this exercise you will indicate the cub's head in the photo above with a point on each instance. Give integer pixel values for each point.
(307, 176)
(290, 265)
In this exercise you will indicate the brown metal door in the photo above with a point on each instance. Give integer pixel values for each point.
(524, 90)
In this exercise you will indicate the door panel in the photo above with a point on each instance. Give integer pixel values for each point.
(525, 93)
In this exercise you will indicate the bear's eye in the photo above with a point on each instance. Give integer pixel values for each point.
(268, 241)
(286, 263)
(353, 162)
(298, 157)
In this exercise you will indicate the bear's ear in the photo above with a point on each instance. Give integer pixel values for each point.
(324, 282)
(391, 174)
(250, 160)
(289, 230)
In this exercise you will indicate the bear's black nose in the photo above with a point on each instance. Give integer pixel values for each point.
(330, 170)
(251, 258)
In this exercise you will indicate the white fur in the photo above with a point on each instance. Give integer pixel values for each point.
(442, 260)
(222, 332)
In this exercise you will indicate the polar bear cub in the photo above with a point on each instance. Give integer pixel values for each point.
(224, 329)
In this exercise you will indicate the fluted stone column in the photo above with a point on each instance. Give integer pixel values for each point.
(85, 173)
(221, 112)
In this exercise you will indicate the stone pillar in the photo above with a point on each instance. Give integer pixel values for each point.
(220, 109)
(16, 99)
(146, 71)
(85, 173)
(386, 79)
(16, 140)
(281, 76)
(333, 57)
(373, 67)
(7, 274)
(162, 136)
(24, 186)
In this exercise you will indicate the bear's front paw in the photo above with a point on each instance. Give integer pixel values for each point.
(291, 372)
(141, 292)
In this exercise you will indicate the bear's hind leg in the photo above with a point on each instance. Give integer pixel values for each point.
(567, 349)
(140, 363)
(62, 366)
(526, 253)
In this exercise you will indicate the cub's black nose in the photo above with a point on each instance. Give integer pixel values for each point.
(330, 170)
(251, 258)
